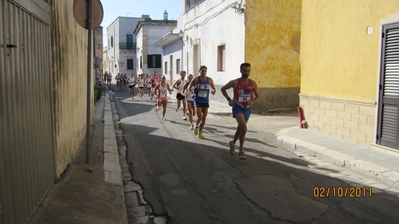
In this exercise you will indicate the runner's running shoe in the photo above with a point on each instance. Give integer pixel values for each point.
(232, 147)
(242, 155)
(201, 136)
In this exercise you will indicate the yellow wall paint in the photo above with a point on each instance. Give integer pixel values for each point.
(338, 58)
(69, 61)
(272, 42)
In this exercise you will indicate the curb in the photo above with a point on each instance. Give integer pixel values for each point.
(138, 210)
(112, 169)
(382, 174)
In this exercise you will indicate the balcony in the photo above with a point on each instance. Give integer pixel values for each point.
(127, 46)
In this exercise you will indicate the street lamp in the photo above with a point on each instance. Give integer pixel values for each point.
(181, 34)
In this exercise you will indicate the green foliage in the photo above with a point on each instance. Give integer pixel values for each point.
(98, 92)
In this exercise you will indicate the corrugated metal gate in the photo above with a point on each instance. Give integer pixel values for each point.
(26, 137)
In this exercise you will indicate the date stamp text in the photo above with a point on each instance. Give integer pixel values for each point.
(342, 192)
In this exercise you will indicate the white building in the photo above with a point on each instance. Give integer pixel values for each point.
(149, 57)
(208, 33)
(172, 54)
(105, 62)
(121, 46)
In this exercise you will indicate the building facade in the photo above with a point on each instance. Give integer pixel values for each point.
(148, 32)
(121, 45)
(222, 35)
(98, 52)
(172, 55)
(272, 46)
(201, 38)
(350, 78)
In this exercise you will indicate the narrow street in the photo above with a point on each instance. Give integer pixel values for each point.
(190, 180)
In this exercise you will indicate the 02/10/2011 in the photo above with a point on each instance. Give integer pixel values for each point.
(342, 192)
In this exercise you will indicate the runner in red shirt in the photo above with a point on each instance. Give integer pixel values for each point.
(154, 82)
(244, 89)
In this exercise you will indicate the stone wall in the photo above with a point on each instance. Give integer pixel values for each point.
(352, 120)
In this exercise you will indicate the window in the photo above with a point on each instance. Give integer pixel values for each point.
(221, 57)
(141, 61)
(166, 67)
(154, 61)
(129, 64)
(112, 41)
(129, 41)
(177, 66)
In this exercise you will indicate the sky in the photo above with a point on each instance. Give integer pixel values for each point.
(136, 8)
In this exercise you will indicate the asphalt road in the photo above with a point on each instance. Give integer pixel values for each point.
(190, 180)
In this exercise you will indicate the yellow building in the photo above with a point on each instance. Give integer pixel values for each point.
(350, 69)
(272, 43)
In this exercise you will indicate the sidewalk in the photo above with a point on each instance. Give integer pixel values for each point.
(89, 193)
(380, 165)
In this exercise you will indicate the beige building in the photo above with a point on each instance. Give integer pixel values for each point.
(98, 52)
(349, 68)
(272, 46)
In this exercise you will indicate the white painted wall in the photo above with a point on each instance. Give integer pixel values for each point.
(139, 53)
(147, 36)
(115, 56)
(175, 50)
(209, 25)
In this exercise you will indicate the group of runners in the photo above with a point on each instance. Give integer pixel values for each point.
(193, 94)
(141, 82)
(107, 77)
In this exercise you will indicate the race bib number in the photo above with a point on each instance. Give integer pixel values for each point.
(203, 86)
(244, 96)
(202, 93)
(163, 93)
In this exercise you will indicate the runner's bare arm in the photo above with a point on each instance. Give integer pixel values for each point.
(193, 83)
(213, 91)
(167, 86)
(257, 94)
(224, 89)
(156, 89)
(176, 83)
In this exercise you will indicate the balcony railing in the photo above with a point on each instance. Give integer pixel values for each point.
(128, 46)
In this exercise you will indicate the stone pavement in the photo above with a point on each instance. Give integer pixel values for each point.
(381, 165)
(103, 191)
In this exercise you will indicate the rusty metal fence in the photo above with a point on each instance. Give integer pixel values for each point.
(26, 129)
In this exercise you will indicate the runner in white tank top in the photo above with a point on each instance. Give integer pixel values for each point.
(161, 89)
(179, 86)
(132, 81)
(140, 83)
